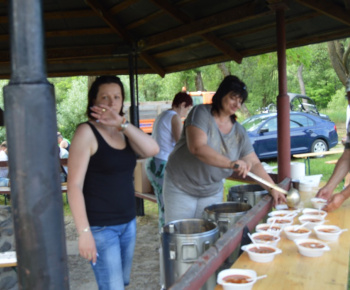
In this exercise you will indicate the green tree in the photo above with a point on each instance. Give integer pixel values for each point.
(71, 110)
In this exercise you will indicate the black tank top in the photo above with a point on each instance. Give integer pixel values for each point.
(108, 185)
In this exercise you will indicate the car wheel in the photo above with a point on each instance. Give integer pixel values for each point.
(319, 146)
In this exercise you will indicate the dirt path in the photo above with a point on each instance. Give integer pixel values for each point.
(145, 270)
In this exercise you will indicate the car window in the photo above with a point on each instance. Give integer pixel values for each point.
(271, 125)
(300, 120)
(252, 123)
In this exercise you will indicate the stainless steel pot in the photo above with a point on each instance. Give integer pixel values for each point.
(183, 241)
(226, 214)
(250, 193)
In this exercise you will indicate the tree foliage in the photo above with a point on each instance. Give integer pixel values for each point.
(260, 74)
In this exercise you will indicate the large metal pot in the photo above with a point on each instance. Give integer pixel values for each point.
(226, 214)
(250, 193)
(183, 241)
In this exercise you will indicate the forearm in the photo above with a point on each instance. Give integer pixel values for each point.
(346, 192)
(341, 169)
(209, 156)
(78, 209)
(143, 144)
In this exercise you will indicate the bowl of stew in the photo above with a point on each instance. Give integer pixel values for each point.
(266, 238)
(315, 212)
(312, 220)
(274, 229)
(328, 232)
(296, 232)
(311, 247)
(318, 203)
(282, 221)
(261, 253)
(234, 279)
(283, 213)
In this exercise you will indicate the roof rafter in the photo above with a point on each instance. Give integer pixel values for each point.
(327, 8)
(110, 20)
(215, 41)
(240, 13)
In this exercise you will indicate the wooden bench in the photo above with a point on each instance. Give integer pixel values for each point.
(6, 190)
(332, 162)
(306, 156)
(147, 196)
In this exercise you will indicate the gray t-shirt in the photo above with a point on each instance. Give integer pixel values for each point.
(194, 176)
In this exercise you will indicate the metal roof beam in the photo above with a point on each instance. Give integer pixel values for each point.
(123, 33)
(328, 8)
(238, 14)
(209, 37)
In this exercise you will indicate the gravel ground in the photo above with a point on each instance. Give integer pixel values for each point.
(145, 270)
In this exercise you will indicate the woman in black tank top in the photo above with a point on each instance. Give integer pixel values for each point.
(100, 183)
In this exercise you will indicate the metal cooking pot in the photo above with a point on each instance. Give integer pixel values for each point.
(250, 193)
(226, 214)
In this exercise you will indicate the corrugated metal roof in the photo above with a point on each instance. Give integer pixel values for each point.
(94, 37)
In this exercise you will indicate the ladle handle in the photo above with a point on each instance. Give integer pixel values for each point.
(263, 181)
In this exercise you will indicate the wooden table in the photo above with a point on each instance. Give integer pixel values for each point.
(306, 156)
(290, 270)
(8, 259)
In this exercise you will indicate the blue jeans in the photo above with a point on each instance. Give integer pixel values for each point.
(115, 247)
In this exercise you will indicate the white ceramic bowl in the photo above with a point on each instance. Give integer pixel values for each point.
(262, 228)
(309, 247)
(283, 213)
(328, 232)
(266, 238)
(236, 273)
(315, 212)
(303, 232)
(281, 221)
(261, 257)
(313, 220)
(318, 203)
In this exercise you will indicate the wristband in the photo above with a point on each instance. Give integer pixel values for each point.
(86, 230)
(123, 125)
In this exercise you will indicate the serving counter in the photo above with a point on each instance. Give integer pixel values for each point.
(291, 270)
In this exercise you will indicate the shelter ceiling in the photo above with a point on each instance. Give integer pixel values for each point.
(95, 37)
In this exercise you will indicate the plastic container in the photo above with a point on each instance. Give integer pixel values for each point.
(318, 203)
(235, 286)
(303, 233)
(266, 238)
(261, 257)
(315, 212)
(328, 232)
(310, 182)
(312, 220)
(281, 221)
(297, 170)
(315, 247)
(283, 213)
(262, 228)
